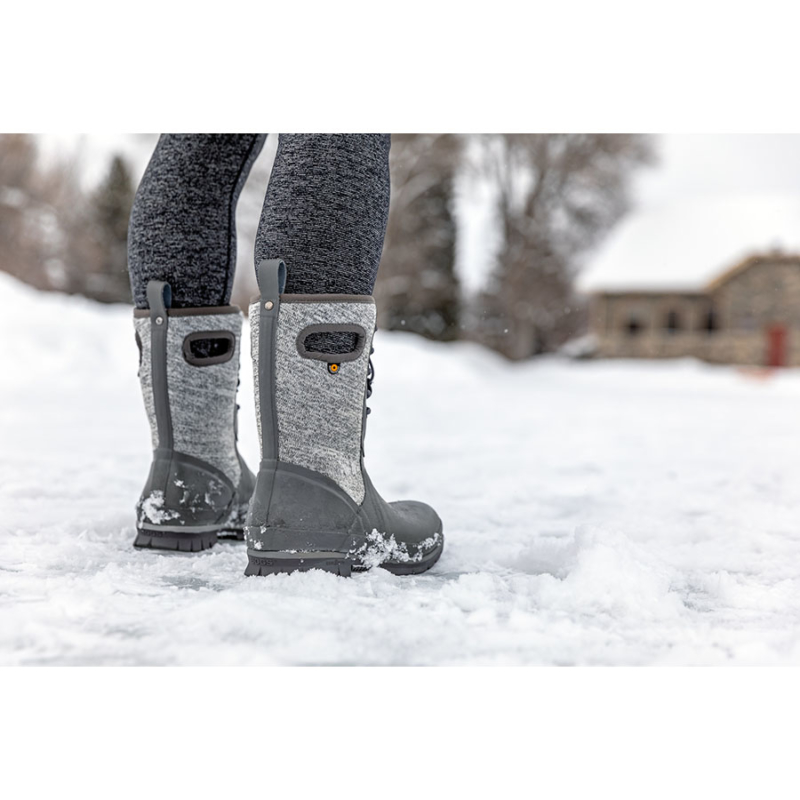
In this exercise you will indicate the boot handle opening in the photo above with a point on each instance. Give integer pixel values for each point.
(332, 349)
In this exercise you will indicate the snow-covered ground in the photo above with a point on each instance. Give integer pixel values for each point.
(595, 513)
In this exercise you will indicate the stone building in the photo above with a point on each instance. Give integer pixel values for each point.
(749, 314)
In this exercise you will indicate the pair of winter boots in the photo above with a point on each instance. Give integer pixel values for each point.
(312, 505)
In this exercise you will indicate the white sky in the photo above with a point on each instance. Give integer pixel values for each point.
(710, 201)
(94, 151)
(713, 164)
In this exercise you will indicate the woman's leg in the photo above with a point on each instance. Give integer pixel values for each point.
(182, 233)
(325, 211)
(183, 223)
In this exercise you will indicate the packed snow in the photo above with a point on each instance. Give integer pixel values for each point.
(595, 513)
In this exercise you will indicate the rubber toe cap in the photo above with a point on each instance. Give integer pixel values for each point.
(415, 524)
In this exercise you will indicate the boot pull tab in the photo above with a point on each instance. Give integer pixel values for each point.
(159, 298)
(271, 277)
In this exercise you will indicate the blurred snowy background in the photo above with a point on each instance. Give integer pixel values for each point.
(596, 512)
(497, 239)
(485, 238)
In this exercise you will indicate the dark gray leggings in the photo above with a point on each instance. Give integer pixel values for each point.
(324, 214)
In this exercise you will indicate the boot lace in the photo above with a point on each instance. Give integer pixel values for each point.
(370, 377)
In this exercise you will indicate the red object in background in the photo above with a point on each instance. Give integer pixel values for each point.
(776, 346)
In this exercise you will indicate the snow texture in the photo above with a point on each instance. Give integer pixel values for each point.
(381, 547)
(152, 509)
(595, 513)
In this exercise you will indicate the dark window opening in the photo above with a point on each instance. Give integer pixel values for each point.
(711, 323)
(673, 322)
(634, 327)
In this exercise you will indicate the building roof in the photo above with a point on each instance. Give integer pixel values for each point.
(686, 246)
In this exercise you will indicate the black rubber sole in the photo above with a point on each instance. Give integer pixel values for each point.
(261, 563)
(179, 542)
(231, 536)
(284, 563)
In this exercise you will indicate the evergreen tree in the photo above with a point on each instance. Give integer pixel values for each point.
(109, 210)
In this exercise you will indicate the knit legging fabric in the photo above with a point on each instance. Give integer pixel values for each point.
(324, 214)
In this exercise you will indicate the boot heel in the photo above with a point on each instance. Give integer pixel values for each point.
(276, 562)
(177, 541)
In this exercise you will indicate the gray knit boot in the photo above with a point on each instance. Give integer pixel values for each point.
(314, 506)
(198, 486)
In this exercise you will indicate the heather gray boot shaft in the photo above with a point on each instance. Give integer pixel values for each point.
(198, 484)
(314, 505)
